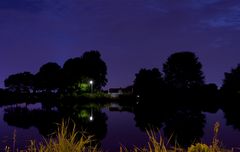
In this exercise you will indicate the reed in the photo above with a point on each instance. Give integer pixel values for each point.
(158, 145)
(67, 140)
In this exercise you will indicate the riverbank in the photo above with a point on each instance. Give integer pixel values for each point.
(70, 140)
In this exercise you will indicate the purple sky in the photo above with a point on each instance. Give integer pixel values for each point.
(130, 34)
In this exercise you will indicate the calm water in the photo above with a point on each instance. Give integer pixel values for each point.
(114, 126)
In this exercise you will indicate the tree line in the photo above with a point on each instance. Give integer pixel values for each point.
(182, 71)
(73, 77)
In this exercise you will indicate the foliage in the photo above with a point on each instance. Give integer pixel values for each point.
(183, 70)
(215, 147)
(73, 79)
(84, 87)
(72, 71)
(199, 148)
(94, 68)
(77, 88)
(48, 77)
(20, 82)
(67, 140)
(231, 82)
(88, 67)
(154, 145)
(148, 82)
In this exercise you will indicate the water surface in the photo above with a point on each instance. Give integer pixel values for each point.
(113, 125)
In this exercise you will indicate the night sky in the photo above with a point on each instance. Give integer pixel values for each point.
(130, 34)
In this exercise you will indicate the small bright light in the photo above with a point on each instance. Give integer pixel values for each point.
(91, 82)
(91, 118)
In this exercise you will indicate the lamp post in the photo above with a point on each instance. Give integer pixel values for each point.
(91, 85)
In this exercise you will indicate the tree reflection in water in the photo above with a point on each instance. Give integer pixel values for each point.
(232, 112)
(183, 124)
(46, 120)
(186, 126)
(22, 117)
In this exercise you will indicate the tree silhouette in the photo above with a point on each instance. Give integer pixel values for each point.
(88, 67)
(20, 82)
(48, 77)
(94, 68)
(72, 71)
(148, 82)
(183, 70)
(232, 113)
(231, 82)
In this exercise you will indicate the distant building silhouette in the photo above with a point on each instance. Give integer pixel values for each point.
(115, 92)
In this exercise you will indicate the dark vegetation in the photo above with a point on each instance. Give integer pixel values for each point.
(182, 77)
(180, 83)
(175, 97)
(53, 82)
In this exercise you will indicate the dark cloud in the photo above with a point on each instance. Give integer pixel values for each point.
(224, 14)
(230, 18)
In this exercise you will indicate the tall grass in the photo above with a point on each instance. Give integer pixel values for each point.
(68, 141)
(155, 145)
(65, 141)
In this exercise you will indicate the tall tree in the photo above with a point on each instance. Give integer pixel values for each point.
(20, 82)
(94, 68)
(183, 70)
(231, 82)
(88, 67)
(72, 70)
(48, 77)
(148, 82)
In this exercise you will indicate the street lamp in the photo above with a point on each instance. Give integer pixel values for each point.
(91, 85)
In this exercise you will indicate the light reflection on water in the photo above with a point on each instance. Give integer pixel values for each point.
(121, 129)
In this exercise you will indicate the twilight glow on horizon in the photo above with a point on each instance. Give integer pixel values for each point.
(129, 34)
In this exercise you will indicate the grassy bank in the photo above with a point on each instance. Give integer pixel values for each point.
(68, 140)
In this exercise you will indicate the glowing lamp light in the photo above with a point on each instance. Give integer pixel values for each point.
(91, 84)
(91, 81)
